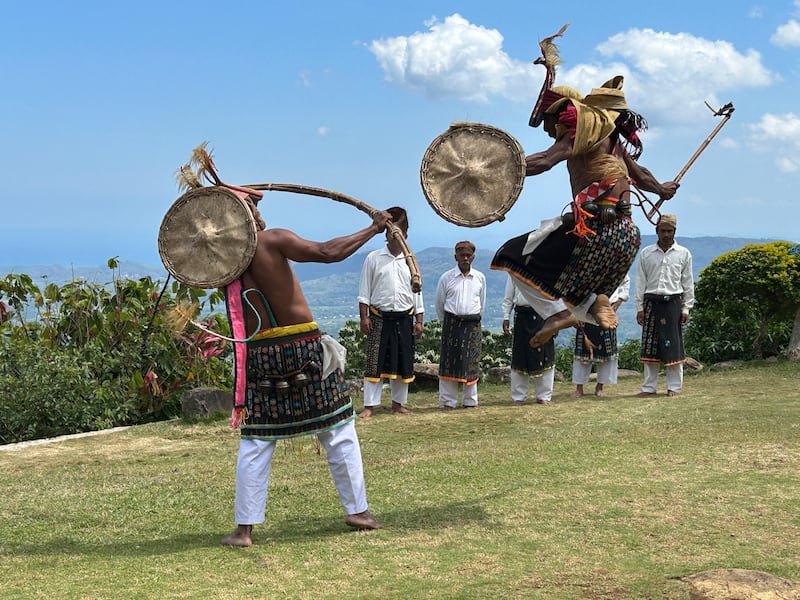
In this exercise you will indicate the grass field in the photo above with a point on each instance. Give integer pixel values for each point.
(613, 498)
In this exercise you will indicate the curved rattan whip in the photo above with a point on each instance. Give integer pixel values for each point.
(394, 230)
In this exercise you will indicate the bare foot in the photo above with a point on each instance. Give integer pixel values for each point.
(673, 393)
(598, 390)
(645, 394)
(362, 520)
(517, 403)
(240, 537)
(366, 413)
(579, 390)
(400, 409)
(603, 313)
(552, 325)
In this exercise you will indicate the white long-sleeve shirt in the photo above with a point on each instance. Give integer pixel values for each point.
(666, 274)
(385, 283)
(623, 292)
(511, 299)
(460, 294)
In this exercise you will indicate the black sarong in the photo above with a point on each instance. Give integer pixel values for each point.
(532, 361)
(662, 334)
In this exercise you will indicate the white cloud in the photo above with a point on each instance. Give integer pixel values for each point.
(787, 35)
(781, 134)
(323, 131)
(662, 70)
(455, 58)
(665, 70)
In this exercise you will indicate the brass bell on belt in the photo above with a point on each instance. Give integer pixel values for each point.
(568, 220)
(300, 380)
(282, 386)
(265, 386)
(608, 214)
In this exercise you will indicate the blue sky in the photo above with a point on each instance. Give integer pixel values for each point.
(101, 102)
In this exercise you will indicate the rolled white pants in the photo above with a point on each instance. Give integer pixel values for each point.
(373, 389)
(255, 460)
(674, 377)
(542, 386)
(448, 393)
(606, 371)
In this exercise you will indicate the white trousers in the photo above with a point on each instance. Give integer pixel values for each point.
(448, 393)
(373, 389)
(606, 371)
(545, 307)
(255, 460)
(674, 377)
(542, 386)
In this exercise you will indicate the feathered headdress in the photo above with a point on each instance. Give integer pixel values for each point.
(550, 58)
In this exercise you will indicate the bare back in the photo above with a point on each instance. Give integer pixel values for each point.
(271, 273)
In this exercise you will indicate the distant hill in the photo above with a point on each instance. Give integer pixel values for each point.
(331, 289)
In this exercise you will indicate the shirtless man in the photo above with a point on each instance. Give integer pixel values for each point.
(568, 268)
(288, 382)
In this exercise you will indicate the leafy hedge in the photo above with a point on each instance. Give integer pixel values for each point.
(86, 356)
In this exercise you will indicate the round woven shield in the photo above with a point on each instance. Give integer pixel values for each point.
(472, 174)
(207, 238)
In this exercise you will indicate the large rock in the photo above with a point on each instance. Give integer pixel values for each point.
(426, 377)
(740, 584)
(206, 402)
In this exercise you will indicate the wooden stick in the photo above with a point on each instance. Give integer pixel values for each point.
(394, 230)
(726, 112)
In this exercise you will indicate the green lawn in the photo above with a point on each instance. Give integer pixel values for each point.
(615, 498)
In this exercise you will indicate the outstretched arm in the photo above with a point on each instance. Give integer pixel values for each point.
(295, 248)
(543, 161)
(646, 181)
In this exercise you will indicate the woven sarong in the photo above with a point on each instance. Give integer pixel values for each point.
(532, 361)
(390, 346)
(316, 405)
(605, 344)
(662, 336)
(571, 267)
(460, 358)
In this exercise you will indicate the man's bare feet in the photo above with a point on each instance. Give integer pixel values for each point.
(552, 325)
(362, 520)
(604, 313)
(579, 390)
(240, 537)
(517, 403)
(645, 394)
(366, 413)
(598, 390)
(400, 409)
(673, 393)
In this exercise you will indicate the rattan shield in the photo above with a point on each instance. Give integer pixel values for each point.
(472, 174)
(207, 238)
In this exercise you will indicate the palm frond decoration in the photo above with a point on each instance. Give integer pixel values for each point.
(178, 317)
(187, 179)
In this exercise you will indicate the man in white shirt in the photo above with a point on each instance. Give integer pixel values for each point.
(526, 361)
(664, 295)
(604, 353)
(460, 300)
(391, 317)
